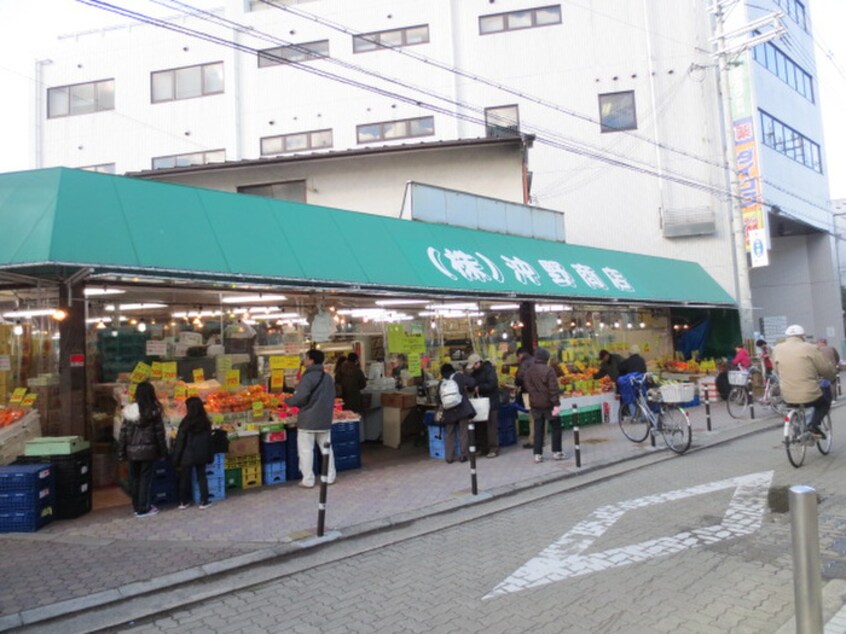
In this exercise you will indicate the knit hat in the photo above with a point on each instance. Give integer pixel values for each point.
(473, 359)
(635, 349)
(542, 354)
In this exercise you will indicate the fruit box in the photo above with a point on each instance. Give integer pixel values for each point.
(244, 446)
(55, 446)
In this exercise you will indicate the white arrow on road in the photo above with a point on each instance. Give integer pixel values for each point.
(565, 558)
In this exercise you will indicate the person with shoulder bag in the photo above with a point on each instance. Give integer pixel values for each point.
(456, 410)
(142, 442)
(192, 451)
(487, 384)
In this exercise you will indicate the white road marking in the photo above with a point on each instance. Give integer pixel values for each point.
(564, 558)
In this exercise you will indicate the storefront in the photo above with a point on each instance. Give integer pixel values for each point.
(107, 280)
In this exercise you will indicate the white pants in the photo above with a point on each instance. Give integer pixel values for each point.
(305, 449)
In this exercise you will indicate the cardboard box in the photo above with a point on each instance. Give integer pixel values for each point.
(392, 425)
(244, 446)
(392, 399)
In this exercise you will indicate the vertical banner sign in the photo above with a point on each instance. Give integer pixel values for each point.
(746, 152)
(758, 247)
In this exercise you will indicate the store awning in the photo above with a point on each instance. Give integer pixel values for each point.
(62, 217)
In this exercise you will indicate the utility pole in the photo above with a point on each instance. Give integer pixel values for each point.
(726, 50)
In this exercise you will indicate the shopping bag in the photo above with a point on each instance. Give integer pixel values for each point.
(483, 408)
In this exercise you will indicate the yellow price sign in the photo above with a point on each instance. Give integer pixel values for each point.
(258, 409)
(18, 395)
(193, 391)
(29, 400)
(141, 372)
(199, 375)
(277, 379)
(233, 378)
(180, 391)
(285, 362)
(169, 371)
(156, 370)
(132, 389)
(274, 402)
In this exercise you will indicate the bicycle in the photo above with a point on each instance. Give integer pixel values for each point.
(649, 413)
(797, 436)
(740, 393)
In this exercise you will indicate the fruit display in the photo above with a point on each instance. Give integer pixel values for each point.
(693, 366)
(241, 401)
(11, 415)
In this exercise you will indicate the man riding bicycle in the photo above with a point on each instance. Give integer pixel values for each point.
(800, 367)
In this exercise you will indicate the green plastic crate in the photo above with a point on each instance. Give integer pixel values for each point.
(55, 446)
(233, 479)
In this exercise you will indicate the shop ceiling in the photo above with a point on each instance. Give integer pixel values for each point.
(188, 242)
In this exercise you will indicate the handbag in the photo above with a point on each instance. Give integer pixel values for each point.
(482, 405)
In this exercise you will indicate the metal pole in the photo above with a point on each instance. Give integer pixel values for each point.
(324, 485)
(804, 529)
(471, 431)
(707, 406)
(577, 448)
(751, 400)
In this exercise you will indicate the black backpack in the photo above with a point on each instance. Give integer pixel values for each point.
(219, 443)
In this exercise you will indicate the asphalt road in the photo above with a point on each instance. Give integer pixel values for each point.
(698, 543)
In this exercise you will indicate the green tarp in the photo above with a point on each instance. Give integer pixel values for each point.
(61, 216)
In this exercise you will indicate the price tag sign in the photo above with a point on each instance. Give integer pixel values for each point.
(193, 391)
(285, 362)
(258, 409)
(141, 372)
(169, 371)
(180, 392)
(132, 389)
(277, 379)
(217, 419)
(414, 364)
(199, 376)
(156, 370)
(18, 395)
(233, 378)
(274, 402)
(29, 400)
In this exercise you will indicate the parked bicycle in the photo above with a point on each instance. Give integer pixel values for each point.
(797, 436)
(740, 395)
(650, 413)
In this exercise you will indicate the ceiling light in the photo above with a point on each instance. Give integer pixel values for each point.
(453, 306)
(94, 291)
(272, 316)
(504, 306)
(101, 325)
(60, 314)
(26, 314)
(400, 302)
(140, 306)
(18, 329)
(253, 299)
(552, 308)
(142, 326)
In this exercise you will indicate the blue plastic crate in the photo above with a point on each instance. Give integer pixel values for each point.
(164, 470)
(219, 460)
(27, 499)
(273, 473)
(507, 436)
(166, 495)
(25, 521)
(345, 463)
(21, 477)
(429, 418)
(345, 431)
(273, 452)
(694, 403)
(437, 438)
(344, 449)
(217, 489)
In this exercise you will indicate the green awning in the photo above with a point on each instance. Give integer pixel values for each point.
(65, 217)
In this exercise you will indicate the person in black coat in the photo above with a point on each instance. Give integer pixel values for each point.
(487, 383)
(191, 452)
(458, 417)
(634, 362)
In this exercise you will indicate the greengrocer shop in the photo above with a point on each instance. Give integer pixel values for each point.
(107, 280)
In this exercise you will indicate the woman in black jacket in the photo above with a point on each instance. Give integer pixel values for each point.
(458, 416)
(142, 442)
(191, 452)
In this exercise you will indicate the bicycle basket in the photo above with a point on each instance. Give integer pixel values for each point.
(738, 377)
(678, 392)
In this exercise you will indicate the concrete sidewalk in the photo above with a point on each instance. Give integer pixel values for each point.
(110, 555)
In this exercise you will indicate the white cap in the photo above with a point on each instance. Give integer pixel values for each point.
(473, 359)
(794, 331)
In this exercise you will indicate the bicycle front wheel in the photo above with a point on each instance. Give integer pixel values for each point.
(824, 445)
(794, 442)
(738, 402)
(633, 423)
(675, 428)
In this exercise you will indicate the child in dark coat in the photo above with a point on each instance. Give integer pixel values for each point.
(191, 452)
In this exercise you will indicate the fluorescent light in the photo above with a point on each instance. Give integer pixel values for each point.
(195, 313)
(453, 306)
(552, 308)
(504, 306)
(124, 307)
(253, 299)
(285, 316)
(400, 302)
(93, 291)
(38, 312)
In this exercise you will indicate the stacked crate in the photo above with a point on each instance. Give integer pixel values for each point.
(588, 415)
(273, 452)
(437, 438)
(164, 487)
(216, 478)
(27, 494)
(243, 460)
(71, 461)
(506, 425)
(120, 352)
(345, 445)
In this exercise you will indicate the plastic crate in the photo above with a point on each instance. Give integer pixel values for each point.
(75, 467)
(523, 423)
(429, 418)
(164, 470)
(55, 445)
(345, 431)
(250, 477)
(273, 473)
(344, 449)
(72, 489)
(25, 521)
(217, 490)
(72, 507)
(345, 463)
(507, 436)
(232, 478)
(273, 452)
(26, 499)
(26, 477)
(437, 440)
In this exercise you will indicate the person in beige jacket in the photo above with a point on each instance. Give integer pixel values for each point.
(800, 366)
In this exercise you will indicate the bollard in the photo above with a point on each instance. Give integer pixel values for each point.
(751, 400)
(324, 484)
(807, 589)
(577, 448)
(708, 408)
(471, 431)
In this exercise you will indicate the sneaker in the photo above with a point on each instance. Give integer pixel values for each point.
(306, 485)
(153, 511)
(205, 506)
(182, 507)
(817, 432)
(538, 458)
(528, 445)
(492, 454)
(558, 455)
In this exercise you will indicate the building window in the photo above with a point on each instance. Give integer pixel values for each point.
(785, 140)
(515, 20)
(102, 168)
(192, 158)
(293, 53)
(95, 96)
(296, 142)
(392, 130)
(617, 111)
(366, 42)
(796, 11)
(770, 57)
(502, 121)
(187, 82)
(290, 190)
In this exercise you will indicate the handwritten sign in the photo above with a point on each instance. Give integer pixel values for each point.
(29, 400)
(277, 379)
(233, 378)
(180, 391)
(193, 391)
(285, 362)
(18, 395)
(156, 370)
(258, 409)
(156, 348)
(141, 372)
(199, 375)
(169, 371)
(132, 389)
(414, 364)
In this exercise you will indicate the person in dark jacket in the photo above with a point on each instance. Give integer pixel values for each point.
(541, 385)
(315, 396)
(634, 362)
(457, 418)
(609, 365)
(351, 380)
(191, 452)
(524, 362)
(487, 384)
(142, 442)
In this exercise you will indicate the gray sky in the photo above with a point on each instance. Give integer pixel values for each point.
(27, 26)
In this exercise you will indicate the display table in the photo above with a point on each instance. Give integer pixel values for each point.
(607, 400)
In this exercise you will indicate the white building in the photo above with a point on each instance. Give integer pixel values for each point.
(624, 98)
